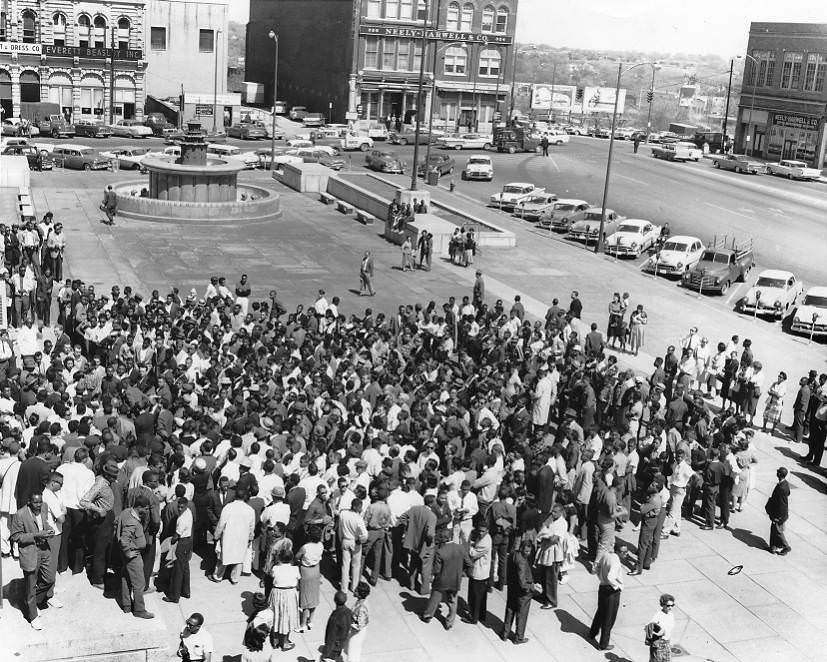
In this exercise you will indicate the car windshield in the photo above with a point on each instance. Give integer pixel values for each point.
(593, 216)
(817, 301)
(675, 246)
(513, 189)
(480, 161)
(564, 206)
(779, 283)
(87, 152)
(632, 229)
(138, 152)
(794, 164)
(538, 199)
(719, 258)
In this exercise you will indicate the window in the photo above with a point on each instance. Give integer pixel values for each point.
(417, 58)
(84, 25)
(814, 73)
(452, 20)
(421, 10)
(123, 33)
(456, 59)
(99, 32)
(391, 8)
(502, 20)
(29, 22)
(467, 17)
(490, 63)
(765, 67)
(791, 70)
(389, 54)
(158, 39)
(374, 8)
(403, 55)
(206, 41)
(59, 29)
(29, 87)
(488, 19)
(406, 10)
(371, 53)
(2, 26)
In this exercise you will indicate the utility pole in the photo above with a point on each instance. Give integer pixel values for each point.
(726, 111)
(651, 101)
(112, 80)
(434, 25)
(215, 86)
(418, 128)
(275, 38)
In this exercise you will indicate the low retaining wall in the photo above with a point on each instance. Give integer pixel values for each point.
(358, 197)
(304, 177)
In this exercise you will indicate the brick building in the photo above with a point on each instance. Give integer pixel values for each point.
(783, 105)
(360, 59)
(61, 51)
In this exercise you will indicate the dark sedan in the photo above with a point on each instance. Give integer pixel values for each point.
(408, 137)
(92, 129)
(247, 131)
(443, 163)
(38, 160)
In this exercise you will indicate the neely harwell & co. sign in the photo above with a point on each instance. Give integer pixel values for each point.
(433, 35)
(795, 121)
(92, 53)
(19, 48)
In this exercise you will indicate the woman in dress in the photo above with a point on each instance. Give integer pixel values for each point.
(616, 310)
(775, 402)
(637, 327)
(309, 557)
(284, 601)
(729, 381)
(659, 630)
(745, 458)
(359, 624)
(257, 648)
(275, 542)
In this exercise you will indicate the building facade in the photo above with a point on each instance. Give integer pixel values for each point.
(783, 105)
(87, 58)
(361, 59)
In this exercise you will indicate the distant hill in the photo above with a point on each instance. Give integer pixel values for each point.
(238, 38)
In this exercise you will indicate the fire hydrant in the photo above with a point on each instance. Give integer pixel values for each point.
(451, 185)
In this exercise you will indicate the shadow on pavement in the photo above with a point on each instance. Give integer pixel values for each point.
(811, 481)
(749, 538)
(413, 604)
(569, 623)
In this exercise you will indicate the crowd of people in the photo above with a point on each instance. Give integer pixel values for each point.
(439, 443)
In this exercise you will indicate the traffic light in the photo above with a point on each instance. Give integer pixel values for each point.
(579, 94)
(650, 95)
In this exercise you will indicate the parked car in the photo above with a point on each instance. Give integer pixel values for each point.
(384, 161)
(479, 167)
(321, 156)
(719, 267)
(556, 137)
(677, 256)
(632, 237)
(79, 157)
(129, 158)
(92, 129)
(775, 294)
(465, 141)
(585, 226)
(280, 108)
(352, 141)
(131, 129)
(32, 154)
(793, 170)
(249, 159)
(811, 316)
(738, 163)
(56, 126)
(15, 126)
(512, 195)
(313, 119)
(408, 136)
(624, 133)
(298, 113)
(600, 132)
(576, 130)
(246, 131)
(536, 206)
(680, 151)
(443, 163)
(558, 218)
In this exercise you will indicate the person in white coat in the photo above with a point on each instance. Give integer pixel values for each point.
(233, 533)
(9, 466)
(543, 398)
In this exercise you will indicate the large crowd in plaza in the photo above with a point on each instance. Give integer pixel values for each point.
(439, 446)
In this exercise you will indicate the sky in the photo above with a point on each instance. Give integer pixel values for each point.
(718, 27)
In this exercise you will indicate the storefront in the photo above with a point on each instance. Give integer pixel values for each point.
(793, 136)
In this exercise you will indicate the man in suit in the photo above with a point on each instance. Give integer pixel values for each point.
(420, 531)
(34, 472)
(450, 561)
(594, 344)
(152, 524)
(800, 408)
(31, 531)
(778, 508)
(521, 589)
(129, 534)
(366, 275)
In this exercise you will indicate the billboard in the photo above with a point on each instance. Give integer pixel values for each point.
(541, 97)
(602, 100)
(686, 95)
(716, 106)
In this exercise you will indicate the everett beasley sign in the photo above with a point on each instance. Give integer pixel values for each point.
(91, 53)
(795, 121)
(433, 35)
(19, 47)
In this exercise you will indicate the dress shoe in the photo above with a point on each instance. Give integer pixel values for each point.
(521, 640)
(548, 605)
(784, 552)
(149, 590)
(288, 646)
(633, 573)
(677, 534)
(143, 614)
(372, 581)
(505, 636)
(54, 602)
(166, 599)
(425, 619)
(608, 648)
(468, 621)
(720, 526)
(706, 527)
(36, 623)
(214, 579)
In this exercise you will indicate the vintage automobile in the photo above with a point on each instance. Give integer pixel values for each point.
(408, 136)
(738, 163)
(246, 131)
(79, 157)
(624, 133)
(313, 119)
(56, 126)
(352, 141)
(31, 153)
(775, 294)
(632, 237)
(585, 226)
(131, 129)
(811, 315)
(556, 137)
(512, 195)
(443, 163)
(558, 219)
(384, 161)
(719, 267)
(91, 129)
(793, 170)
(465, 141)
(15, 126)
(322, 156)
(249, 159)
(679, 151)
(479, 167)
(678, 255)
(536, 207)
(297, 113)
(573, 130)
(129, 158)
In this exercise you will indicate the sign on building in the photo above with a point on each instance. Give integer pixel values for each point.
(203, 110)
(433, 35)
(686, 95)
(559, 98)
(602, 100)
(132, 54)
(791, 121)
(19, 48)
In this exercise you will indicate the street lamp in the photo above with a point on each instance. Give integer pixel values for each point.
(272, 34)
(752, 102)
(726, 109)
(420, 83)
(215, 86)
(517, 51)
(620, 71)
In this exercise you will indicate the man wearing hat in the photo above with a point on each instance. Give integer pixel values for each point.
(98, 503)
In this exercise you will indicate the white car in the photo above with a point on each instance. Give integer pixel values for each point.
(774, 294)
(249, 159)
(793, 170)
(512, 195)
(479, 167)
(560, 217)
(633, 236)
(465, 141)
(557, 137)
(131, 129)
(13, 126)
(536, 206)
(129, 158)
(678, 255)
(358, 141)
(811, 315)
(298, 141)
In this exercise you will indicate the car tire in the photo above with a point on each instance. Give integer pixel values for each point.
(364, 147)
(717, 165)
(457, 147)
(790, 176)
(725, 287)
(463, 176)
(451, 170)
(512, 150)
(55, 133)
(403, 141)
(486, 146)
(87, 167)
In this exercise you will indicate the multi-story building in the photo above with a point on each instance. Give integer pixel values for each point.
(783, 105)
(361, 59)
(86, 57)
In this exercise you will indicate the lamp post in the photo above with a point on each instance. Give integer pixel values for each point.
(272, 34)
(726, 109)
(649, 114)
(215, 86)
(752, 103)
(112, 80)
(418, 126)
(620, 71)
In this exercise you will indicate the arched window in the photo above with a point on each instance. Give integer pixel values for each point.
(490, 63)
(452, 20)
(488, 19)
(29, 87)
(123, 33)
(502, 20)
(59, 29)
(467, 18)
(99, 32)
(456, 60)
(29, 20)
(84, 30)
